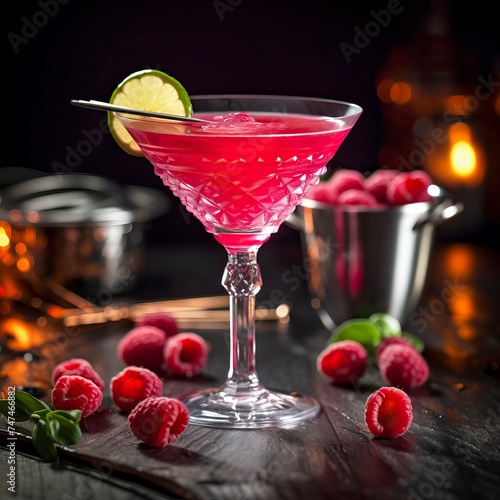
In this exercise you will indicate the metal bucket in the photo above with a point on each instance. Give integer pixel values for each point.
(80, 231)
(361, 261)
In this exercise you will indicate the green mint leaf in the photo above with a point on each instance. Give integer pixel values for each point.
(39, 415)
(43, 444)
(417, 343)
(61, 430)
(73, 415)
(29, 403)
(388, 325)
(19, 414)
(360, 330)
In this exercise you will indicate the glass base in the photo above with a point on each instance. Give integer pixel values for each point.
(262, 408)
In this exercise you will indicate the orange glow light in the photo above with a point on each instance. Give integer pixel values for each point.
(4, 239)
(23, 265)
(19, 330)
(54, 311)
(463, 159)
(21, 248)
(459, 261)
(400, 93)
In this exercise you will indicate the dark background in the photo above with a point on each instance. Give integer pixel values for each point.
(83, 49)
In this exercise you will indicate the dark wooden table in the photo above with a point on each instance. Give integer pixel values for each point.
(451, 451)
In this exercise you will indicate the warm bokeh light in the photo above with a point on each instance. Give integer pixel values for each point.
(30, 236)
(463, 306)
(459, 261)
(55, 311)
(4, 239)
(19, 330)
(456, 105)
(15, 215)
(8, 259)
(33, 217)
(400, 93)
(23, 265)
(463, 158)
(5, 234)
(384, 90)
(459, 160)
(20, 248)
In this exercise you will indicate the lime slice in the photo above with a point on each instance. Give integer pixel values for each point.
(359, 329)
(148, 90)
(388, 325)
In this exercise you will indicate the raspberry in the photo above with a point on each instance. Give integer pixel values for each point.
(158, 421)
(162, 320)
(391, 341)
(376, 183)
(185, 354)
(320, 192)
(344, 179)
(403, 366)
(409, 187)
(342, 362)
(357, 197)
(77, 366)
(388, 412)
(73, 392)
(143, 346)
(132, 385)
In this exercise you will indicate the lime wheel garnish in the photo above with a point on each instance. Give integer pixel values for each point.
(148, 90)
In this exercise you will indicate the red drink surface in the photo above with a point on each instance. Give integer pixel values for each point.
(243, 179)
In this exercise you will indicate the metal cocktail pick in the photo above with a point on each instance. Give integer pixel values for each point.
(131, 111)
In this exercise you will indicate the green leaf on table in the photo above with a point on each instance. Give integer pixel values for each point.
(58, 426)
(62, 430)
(39, 415)
(73, 415)
(417, 343)
(19, 415)
(29, 403)
(43, 444)
(360, 330)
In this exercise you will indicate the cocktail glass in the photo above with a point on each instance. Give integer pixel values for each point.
(242, 177)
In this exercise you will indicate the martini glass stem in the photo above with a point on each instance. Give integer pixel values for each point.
(242, 280)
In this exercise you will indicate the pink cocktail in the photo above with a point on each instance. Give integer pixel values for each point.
(241, 175)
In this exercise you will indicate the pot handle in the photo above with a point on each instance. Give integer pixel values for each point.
(440, 213)
(294, 221)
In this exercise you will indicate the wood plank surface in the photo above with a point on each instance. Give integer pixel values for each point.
(451, 451)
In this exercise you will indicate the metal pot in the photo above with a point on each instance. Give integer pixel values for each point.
(360, 261)
(80, 231)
